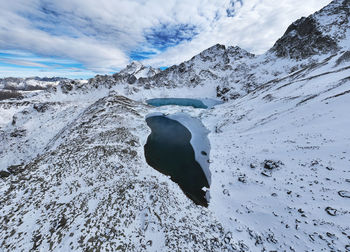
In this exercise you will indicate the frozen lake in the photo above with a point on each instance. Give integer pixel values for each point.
(168, 150)
(196, 103)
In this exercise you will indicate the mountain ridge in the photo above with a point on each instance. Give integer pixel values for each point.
(304, 41)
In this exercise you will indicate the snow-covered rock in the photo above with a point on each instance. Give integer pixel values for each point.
(139, 71)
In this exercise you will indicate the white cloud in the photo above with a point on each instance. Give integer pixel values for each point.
(101, 34)
(22, 62)
(255, 27)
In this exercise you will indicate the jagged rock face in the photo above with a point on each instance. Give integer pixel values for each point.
(236, 53)
(323, 32)
(188, 73)
(303, 39)
(216, 53)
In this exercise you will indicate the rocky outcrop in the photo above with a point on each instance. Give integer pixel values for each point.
(322, 32)
(303, 39)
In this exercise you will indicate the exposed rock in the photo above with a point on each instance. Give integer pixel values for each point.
(331, 211)
(18, 133)
(15, 169)
(4, 174)
(266, 173)
(268, 97)
(138, 70)
(4, 95)
(41, 107)
(345, 57)
(303, 39)
(242, 178)
(66, 86)
(132, 79)
(221, 92)
(271, 164)
(344, 194)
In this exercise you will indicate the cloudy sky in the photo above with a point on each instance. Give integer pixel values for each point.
(81, 38)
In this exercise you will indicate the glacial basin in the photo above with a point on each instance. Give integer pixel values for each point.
(169, 150)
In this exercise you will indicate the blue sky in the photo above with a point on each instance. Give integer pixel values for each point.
(20, 63)
(82, 38)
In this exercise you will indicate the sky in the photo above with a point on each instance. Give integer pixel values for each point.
(82, 38)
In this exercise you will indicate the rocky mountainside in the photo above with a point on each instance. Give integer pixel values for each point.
(73, 174)
(321, 33)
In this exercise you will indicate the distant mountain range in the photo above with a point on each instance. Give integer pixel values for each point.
(29, 84)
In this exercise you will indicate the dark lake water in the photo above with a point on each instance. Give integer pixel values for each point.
(169, 151)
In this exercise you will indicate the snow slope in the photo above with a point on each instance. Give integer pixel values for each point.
(302, 126)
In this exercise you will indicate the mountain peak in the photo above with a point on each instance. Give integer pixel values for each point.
(137, 69)
(303, 39)
(215, 48)
(132, 68)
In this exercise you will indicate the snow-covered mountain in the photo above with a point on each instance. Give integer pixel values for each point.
(74, 176)
(29, 84)
(233, 72)
(139, 71)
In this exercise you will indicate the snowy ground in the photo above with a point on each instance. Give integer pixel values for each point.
(304, 127)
